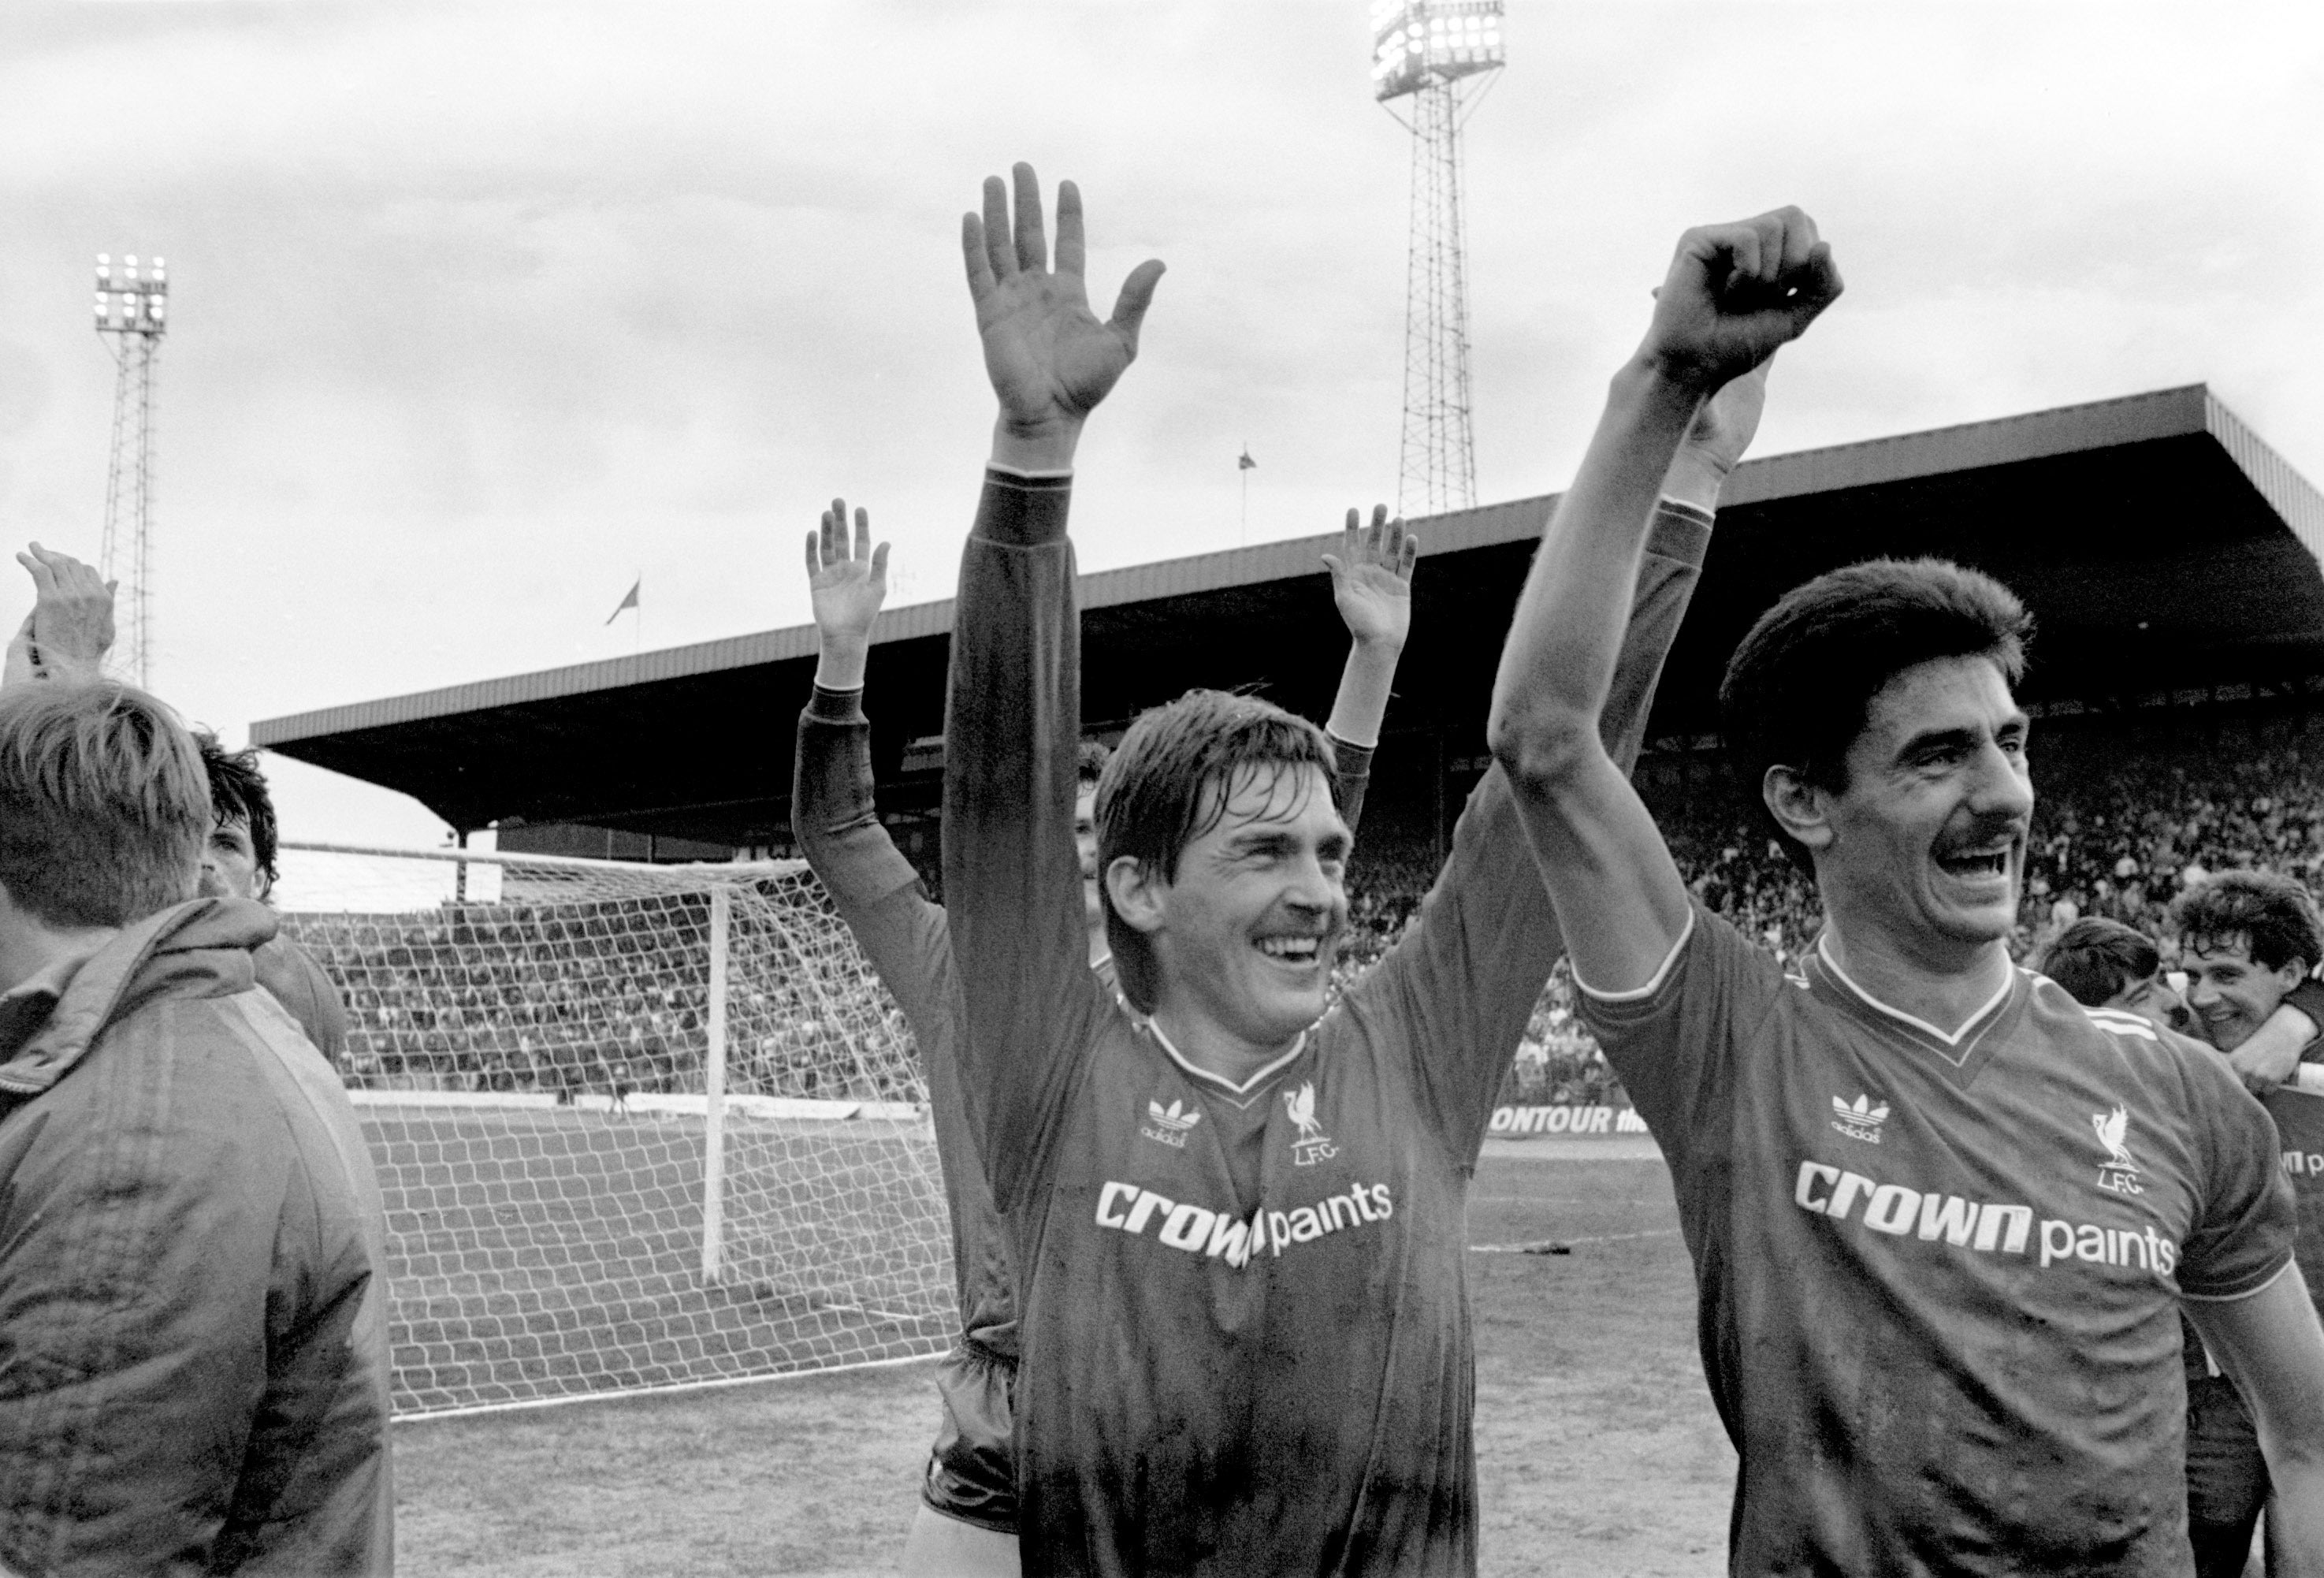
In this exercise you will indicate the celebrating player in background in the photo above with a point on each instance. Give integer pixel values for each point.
(192, 1247)
(65, 638)
(1239, 1226)
(2249, 941)
(968, 1520)
(1941, 1217)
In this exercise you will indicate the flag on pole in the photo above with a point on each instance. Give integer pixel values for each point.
(1246, 463)
(629, 600)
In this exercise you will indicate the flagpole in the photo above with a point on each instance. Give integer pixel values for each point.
(638, 619)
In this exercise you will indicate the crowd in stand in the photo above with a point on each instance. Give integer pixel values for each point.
(564, 998)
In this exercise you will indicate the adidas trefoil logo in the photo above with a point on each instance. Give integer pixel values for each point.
(1170, 1125)
(1859, 1119)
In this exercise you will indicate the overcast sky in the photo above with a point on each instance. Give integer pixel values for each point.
(480, 311)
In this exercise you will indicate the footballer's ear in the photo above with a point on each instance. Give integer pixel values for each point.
(1138, 896)
(1798, 807)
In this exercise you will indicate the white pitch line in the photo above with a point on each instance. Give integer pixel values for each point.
(1551, 1243)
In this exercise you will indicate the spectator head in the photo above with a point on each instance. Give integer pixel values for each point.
(1871, 721)
(103, 805)
(2247, 938)
(1224, 863)
(2104, 963)
(239, 860)
(1089, 767)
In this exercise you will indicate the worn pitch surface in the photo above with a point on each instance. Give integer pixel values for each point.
(1598, 1451)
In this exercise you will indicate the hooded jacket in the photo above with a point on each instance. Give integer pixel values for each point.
(193, 1336)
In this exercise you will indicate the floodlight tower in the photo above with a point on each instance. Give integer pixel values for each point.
(132, 312)
(1436, 52)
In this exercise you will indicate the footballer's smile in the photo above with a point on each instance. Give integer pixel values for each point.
(1928, 839)
(1247, 929)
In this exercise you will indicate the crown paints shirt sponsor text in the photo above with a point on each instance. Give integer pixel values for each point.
(1963, 1345)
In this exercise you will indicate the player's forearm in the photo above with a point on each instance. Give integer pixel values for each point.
(1669, 573)
(1366, 680)
(1558, 667)
(1013, 874)
(2295, 1515)
(833, 812)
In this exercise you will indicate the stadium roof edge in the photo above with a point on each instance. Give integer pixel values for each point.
(2186, 410)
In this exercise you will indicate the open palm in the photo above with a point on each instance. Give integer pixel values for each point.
(1372, 578)
(1050, 359)
(846, 584)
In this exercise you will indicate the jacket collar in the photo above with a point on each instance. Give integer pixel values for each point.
(47, 1023)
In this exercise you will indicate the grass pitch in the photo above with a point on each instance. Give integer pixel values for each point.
(1598, 1450)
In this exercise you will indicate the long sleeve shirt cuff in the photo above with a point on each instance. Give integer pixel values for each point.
(1023, 509)
(1681, 532)
(836, 707)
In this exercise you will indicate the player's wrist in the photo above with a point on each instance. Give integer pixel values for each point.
(1040, 444)
(841, 662)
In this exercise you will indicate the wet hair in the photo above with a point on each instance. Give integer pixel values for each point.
(2097, 959)
(1089, 762)
(1169, 783)
(104, 806)
(1800, 686)
(239, 794)
(2272, 913)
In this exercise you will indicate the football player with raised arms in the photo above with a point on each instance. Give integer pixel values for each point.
(1245, 1339)
(1943, 1217)
(966, 1523)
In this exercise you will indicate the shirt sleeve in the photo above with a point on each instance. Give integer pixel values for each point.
(1351, 770)
(1674, 1040)
(873, 886)
(1464, 980)
(2308, 997)
(1013, 874)
(304, 989)
(2246, 1215)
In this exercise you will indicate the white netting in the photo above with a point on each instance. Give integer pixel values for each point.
(531, 1046)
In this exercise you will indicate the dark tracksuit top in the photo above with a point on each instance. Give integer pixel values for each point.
(1244, 1308)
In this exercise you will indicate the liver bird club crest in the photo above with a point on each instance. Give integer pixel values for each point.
(2120, 1171)
(1313, 1144)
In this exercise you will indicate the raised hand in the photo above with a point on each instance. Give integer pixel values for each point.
(1735, 294)
(845, 587)
(1372, 578)
(1050, 358)
(70, 628)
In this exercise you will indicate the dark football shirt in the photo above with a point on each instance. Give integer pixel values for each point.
(1940, 1275)
(878, 894)
(2299, 1117)
(1244, 1309)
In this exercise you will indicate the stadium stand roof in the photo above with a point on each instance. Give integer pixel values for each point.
(2160, 543)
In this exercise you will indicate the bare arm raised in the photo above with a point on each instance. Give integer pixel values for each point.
(1371, 586)
(1734, 295)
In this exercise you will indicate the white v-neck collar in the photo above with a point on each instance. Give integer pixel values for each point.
(1954, 1040)
(1220, 1080)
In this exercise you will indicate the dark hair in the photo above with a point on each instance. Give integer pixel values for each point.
(1799, 687)
(103, 805)
(2272, 912)
(238, 792)
(1169, 783)
(1089, 762)
(2094, 959)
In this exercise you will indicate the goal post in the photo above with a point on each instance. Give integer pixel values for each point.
(639, 1126)
(714, 1088)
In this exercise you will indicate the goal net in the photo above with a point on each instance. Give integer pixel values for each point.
(639, 1128)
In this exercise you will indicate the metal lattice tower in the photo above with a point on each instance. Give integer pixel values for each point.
(132, 312)
(1437, 53)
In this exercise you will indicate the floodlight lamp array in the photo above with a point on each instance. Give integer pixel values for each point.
(1414, 41)
(127, 303)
